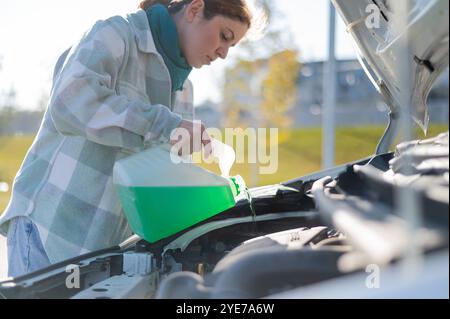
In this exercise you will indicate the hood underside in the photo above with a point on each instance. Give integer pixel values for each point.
(403, 74)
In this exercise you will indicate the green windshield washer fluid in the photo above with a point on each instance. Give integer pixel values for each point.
(162, 196)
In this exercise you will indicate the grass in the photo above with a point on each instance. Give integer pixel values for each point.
(299, 154)
(12, 152)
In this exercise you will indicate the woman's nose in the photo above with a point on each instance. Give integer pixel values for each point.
(222, 52)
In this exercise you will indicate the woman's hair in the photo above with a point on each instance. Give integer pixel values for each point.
(233, 9)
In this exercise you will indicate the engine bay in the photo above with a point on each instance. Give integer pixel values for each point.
(287, 236)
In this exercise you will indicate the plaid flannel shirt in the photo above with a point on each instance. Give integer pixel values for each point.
(111, 97)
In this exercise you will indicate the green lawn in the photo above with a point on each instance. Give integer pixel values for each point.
(12, 152)
(299, 154)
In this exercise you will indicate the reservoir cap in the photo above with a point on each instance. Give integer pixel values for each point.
(237, 185)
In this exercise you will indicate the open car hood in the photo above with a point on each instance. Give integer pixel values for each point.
(375, 27)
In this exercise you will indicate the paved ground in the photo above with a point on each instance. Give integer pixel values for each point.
(3, 260)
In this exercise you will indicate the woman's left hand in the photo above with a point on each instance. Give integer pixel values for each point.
(190, 137)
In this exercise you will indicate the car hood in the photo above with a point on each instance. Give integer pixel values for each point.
(376, 29)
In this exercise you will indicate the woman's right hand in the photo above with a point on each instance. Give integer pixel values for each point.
(190, 137)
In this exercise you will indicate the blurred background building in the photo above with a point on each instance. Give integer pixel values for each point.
(358, 102)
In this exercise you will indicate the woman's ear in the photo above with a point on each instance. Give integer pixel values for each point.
(194, 9)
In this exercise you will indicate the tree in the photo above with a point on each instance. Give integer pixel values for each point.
(279, 89)
(7, 110)
(260, 87)
(239, 93)
(43, 102)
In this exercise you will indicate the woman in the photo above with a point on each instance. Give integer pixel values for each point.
(121, 89)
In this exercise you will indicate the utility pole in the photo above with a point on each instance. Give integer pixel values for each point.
(329, 95)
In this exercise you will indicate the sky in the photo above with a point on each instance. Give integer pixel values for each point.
(34, 33)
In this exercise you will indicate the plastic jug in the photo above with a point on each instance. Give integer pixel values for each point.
(161, 198)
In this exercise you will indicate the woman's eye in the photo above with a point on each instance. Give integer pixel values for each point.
(224, 37)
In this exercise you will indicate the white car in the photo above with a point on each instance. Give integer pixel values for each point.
(335, 234)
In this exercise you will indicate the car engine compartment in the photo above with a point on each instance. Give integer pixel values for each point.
(293, 235)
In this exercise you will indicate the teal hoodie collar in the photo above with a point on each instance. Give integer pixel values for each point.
(165, 37)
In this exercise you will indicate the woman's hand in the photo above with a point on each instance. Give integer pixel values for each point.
(190, 137)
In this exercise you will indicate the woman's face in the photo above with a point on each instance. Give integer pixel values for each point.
(203, 41)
